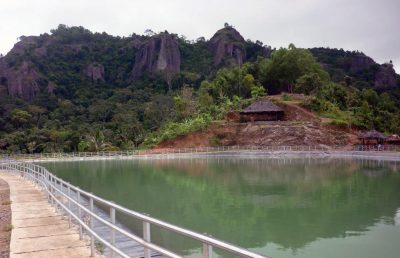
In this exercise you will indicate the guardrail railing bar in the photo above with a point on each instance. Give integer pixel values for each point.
(167, 151)
(65, 208)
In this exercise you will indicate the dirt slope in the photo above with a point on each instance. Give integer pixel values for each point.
(301, 127)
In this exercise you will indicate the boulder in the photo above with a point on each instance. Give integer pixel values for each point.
(228, 42)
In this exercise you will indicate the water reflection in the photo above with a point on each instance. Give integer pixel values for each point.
(250, 202)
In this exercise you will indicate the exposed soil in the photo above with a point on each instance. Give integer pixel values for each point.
(300, 127)
(5, 219)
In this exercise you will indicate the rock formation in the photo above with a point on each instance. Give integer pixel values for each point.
(228, 42)
(385, 77)
(24, 44)
(159, 55)
(360, 62)
(22, 81)
(95, 72)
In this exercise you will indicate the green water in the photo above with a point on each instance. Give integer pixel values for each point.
(277, 207)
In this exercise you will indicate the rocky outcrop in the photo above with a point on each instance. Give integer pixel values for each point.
(385, 77)
(360, 62)
(24, 44)
(159, 55)
(22, 81)
(95, 72)
(228, 42)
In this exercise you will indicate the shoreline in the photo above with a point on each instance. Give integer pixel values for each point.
(368, 155)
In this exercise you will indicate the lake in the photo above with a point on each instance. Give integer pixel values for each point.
(280, 207)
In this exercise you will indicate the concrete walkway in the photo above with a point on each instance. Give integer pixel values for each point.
(39, 231)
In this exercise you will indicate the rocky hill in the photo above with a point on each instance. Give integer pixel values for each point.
(35, 62)
(361, 68)
(73, 89)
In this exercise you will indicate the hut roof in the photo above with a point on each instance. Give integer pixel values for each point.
(373, 134)
(393, 138)
(262, 106)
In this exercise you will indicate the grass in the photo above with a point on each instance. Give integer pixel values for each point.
(286, 97)
(173, 129)
(99, 247)
(8, 227)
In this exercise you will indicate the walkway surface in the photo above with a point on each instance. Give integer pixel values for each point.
(39, 231)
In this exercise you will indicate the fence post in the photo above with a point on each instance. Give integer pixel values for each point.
(207, 250)
(92, 228)
(112, 231)
(69, 205)
(79, 212)
(146, 237)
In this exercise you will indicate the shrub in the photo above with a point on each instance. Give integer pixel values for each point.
(173, 129)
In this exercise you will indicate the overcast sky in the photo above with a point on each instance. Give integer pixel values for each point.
(371, 26)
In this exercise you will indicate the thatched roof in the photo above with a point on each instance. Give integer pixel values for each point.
(373, 134)
(393, 138)
(262, 106)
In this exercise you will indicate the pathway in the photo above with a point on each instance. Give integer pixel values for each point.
(38, 230)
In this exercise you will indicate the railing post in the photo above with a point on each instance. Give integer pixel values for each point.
(207, 250)
(79, 212)
(92, 228)
(112, 231)
(146, 237)
(69, 205)
(52, 190)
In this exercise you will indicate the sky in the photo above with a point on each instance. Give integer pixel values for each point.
(370, 26)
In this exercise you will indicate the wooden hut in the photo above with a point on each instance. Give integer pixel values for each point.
(393, 139)
(262, 111)
(372, 137)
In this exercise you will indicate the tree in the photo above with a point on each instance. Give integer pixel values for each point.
(363, 116)
(185, 103)
(308, 83)
(149, 32)
(286, 65)
(20, 117)
(258, 91)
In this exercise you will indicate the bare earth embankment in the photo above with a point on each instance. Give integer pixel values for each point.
(299, 128)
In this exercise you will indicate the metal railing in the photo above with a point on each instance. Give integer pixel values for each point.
(58, 190)
(60, 155)
(198, 150)
(389, 148)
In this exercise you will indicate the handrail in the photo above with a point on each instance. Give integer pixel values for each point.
(49, 182)
(167, 151)
(197, 150)
(80, 222)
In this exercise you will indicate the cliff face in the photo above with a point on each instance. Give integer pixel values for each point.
(95, 72)
(18, 74)
(360, 62)
(228, 43)
(386, 77)
(22, 81)
(159, 55)
(356, 65)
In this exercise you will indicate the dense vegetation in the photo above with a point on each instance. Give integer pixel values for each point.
(116, 113)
